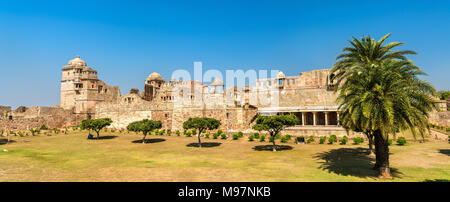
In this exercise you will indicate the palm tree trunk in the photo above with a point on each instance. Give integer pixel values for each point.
(370, 138)
(382, 153)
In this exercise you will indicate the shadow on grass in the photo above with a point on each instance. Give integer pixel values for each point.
(270, 147)
(154, 140)
(436, 180)
(350, 162)
(205, 144)
(108, 137)
(5, 141)
(445, 151)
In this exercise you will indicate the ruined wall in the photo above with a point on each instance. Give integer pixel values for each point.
(34, 117)
(440, 118)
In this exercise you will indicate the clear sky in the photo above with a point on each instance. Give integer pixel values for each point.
(125, 41)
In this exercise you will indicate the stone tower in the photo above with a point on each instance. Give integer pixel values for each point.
(81, 90)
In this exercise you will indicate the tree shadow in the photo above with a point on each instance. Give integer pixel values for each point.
(445, 151)
(5, 141)
(270, 147)
(351, 162)
(204, 144)
(154, 140)
(437, 180)
(108, 137)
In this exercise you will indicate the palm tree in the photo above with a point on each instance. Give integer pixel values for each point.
(383, 98)
(365, 53)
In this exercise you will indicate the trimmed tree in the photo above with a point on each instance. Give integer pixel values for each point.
(201, 124)
(275, 124)
(145, 126)
(95, 124)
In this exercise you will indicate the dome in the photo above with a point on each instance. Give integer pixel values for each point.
(216, 82)
(280, 75)
(77, 61)
(155, 76)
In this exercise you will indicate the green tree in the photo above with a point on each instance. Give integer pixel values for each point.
(145, 126)
(365, 53)
(443, 95)
(275, 124)
(95, 124)
(201, 124)
(386, 97)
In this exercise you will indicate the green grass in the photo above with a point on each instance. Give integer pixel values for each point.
(74, 158)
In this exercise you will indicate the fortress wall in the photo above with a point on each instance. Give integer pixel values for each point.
(440, 118)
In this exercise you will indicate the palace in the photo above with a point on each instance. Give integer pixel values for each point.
(309, 96)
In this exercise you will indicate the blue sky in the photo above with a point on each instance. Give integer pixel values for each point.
(127, 40)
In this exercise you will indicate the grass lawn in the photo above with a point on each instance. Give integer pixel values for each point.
(117, 157)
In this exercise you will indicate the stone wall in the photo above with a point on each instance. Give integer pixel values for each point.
(34, 117)
(440, 118)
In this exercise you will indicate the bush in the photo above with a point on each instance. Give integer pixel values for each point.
(344, 140)
(322, 139)
(169, 132)
(194, 131)
(219, 132)
(240, 134)
(332, 139)
(310, 139)
(262, 138)
(284, 139)
(207, 135)
(43, 127)
(358, 140)
(251, 138)
(215, 135)
(178, 133)
(449, 139)
(288, 136)
(188, 134)
(235, 136)
(271, 138)
(401, 141)
(223, 136)
(256, 135)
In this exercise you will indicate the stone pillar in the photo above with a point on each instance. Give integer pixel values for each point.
(326, 118)
(303, 118)
(314, 118)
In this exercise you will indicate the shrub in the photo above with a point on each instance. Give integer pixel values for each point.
(262, 138)
(251, 138)
(284, 139)
(235, 136)
(358, 140)
(288, 136)
(256, 135)
(240, 134)
(178, 133)
(322, 139)
(278, 136)
(219, 132)
(207, 135)
(169, 132)
(344, 140)
(332, 139)
(223, 136)
(389, 141)
(215, 135)
(20, 133)
(188, 134)
(271, 138)
(401, 141)
(43, 127)
(310, 139)
(449, 139)
(194, 131)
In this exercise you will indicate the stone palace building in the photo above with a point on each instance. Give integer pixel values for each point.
(309, 96)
